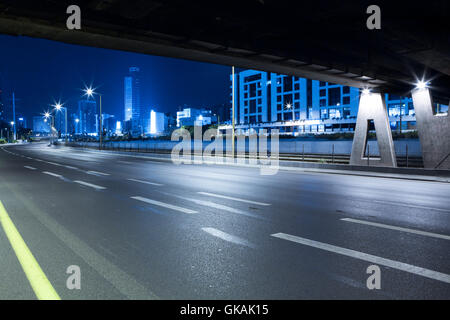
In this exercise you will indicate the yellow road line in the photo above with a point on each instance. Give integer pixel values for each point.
(37, 278)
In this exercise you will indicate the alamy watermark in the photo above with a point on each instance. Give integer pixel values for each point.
(374, 280)
(74, 280)
(252, 149)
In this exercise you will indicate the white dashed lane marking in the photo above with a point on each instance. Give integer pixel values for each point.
(367, 257)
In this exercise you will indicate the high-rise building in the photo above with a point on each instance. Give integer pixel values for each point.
(133, 109)
(265, 100)
(21, 122)
(109, 123)
(87, 116)
(158, 123)
(41, 125)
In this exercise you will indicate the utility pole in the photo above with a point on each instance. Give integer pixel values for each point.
(232, 108)
(14, 115)
(101, 123)
(66, 124)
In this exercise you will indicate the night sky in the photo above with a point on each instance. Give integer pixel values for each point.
(42, 71)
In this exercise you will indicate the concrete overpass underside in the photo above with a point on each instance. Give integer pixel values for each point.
(322, 40)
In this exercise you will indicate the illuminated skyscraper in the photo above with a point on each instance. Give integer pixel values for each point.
(132, 102)
(87, 110)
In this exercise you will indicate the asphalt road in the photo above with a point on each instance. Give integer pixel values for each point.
(141, 229)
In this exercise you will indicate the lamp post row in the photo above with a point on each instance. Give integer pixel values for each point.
(59, 106)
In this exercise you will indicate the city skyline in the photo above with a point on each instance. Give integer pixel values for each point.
(61, 71)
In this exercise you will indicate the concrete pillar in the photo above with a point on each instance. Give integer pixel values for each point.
(434, 131)
(373, 107)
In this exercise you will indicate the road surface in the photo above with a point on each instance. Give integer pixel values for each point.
(141, 229)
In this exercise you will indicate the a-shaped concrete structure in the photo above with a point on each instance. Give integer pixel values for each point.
(434, 131)
(373, 107)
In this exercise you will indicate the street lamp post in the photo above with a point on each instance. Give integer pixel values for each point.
(290, 107)
(12, 129)
(232, 112)
(90, 93)
(48, 114)
(58, 107)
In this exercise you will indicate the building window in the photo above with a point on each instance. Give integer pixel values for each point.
(334, 96)
(252, 90)
(346, 100)
(346, 113)
(297, 96)
(346, 90)
(259, 101)
(323, 93)
(279, 107)
(323, 102)
(253, 106)
(335, 113)
(297, 105)
(323, 113)
(278, 98)
(287, 99)
(253, 78)
(296, 86)
(322, 84)
(287, 81)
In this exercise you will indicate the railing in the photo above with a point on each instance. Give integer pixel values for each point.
(332, 158)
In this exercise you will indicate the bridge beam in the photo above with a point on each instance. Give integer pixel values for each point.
(434, 131)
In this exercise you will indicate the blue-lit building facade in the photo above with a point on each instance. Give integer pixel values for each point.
(87, 117)
(265, 100)
(41, 125)
(133, 108)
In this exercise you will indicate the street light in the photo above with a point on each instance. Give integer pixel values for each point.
(366, 91)
(48, 114)
(58, 107)
(290, 107)
(421, 85)
(90, 93)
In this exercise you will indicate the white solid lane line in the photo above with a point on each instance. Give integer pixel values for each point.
(165, 205)
(87, 184)
(28, 167)
(228, 237)
(146, 182)
(367, 257)
(52, 174)
(70, 167)
(97, 173)
(409, 205)
(386, 226)
(232, 198)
